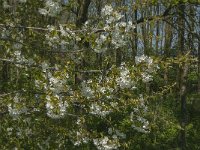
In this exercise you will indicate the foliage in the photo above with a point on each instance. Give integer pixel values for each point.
(66, 87)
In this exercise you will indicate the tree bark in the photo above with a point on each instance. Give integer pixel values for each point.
(5, 74)
(82, 12)
(157, 29)
(183, 71)
(199, 63)
(135, 38)
(81, 19)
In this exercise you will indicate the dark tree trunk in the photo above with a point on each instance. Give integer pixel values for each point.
(157, 29)
(5, 76)
(118, 57)
(135, 43)
(199, 63)
(82, 17)
(82, 12)
(183, 71)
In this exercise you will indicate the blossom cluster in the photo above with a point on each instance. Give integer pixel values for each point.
(52, 8)
(105, 143)
(125, 80)
(86, 90)
(56, 106)
(96, 109)
(64, 38)
(149, 68)
(81, 137)
(20, 59)
(6, 3)
(16, 108)
(116, 134)
(116, 33)
(139, 123)
(116, 30)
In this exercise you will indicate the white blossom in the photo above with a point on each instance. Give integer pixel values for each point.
(5, 5)
(143, 58)
(5, 33)
(129, 26)
(56, 112)
(117, 15)
(124, 80)
(86, 90)
(96, 109)
(146, 77)
(52, 8)
(16, 108)
(44, 66)
(137, 118)
(43, 11)
(107, 10)
(122, 24)
(105, 144)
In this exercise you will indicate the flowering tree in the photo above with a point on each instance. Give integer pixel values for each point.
(74, 85)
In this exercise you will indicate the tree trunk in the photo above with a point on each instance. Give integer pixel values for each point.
(134, 49)
(183, 71)
(5, 74)
(199, 63)
(82, 12)
(157, 29)
(168, 41)
(81, 19)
